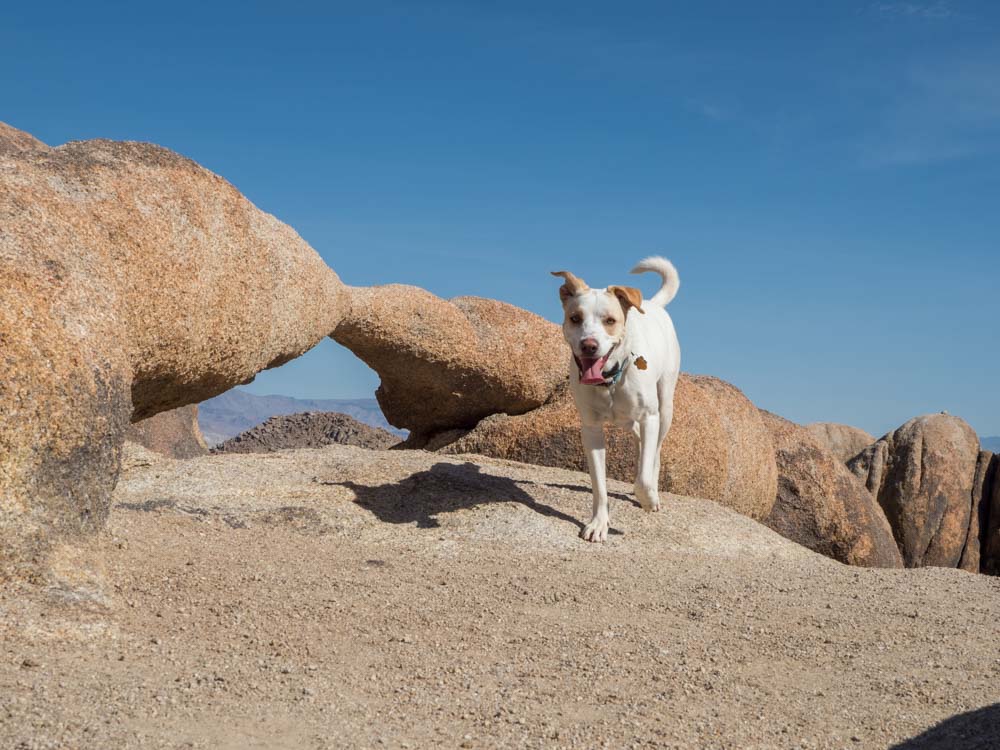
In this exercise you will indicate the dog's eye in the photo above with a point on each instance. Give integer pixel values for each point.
(610, 321)
(575, 319)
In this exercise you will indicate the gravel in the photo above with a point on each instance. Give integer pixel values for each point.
(344, 597)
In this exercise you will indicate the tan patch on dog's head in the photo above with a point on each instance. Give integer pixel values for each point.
(628, 297)
(572, 287)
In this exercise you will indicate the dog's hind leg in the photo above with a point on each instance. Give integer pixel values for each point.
(593, 446)
(647, 476)
(666, 398)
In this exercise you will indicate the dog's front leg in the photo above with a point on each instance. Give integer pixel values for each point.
(646, 480)
(593, 446)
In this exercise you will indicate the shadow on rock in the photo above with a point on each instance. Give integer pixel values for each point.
(974, 730)
(586, 488)
(446, 488)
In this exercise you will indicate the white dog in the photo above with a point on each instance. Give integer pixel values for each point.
(626, 361)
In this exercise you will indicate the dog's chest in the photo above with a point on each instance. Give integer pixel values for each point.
(619, 404)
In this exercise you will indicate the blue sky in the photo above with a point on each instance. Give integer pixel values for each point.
(825, 176)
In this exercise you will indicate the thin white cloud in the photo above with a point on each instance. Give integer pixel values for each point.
(930, 11)
(936, 112)
(710, 110)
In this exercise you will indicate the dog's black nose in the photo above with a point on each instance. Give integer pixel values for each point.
(588, 347)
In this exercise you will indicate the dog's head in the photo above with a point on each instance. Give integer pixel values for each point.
(594, 324)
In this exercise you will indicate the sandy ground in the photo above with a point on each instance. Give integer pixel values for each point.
(351, 598)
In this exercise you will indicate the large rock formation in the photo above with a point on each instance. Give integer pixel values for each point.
(447, 364)
(134, 281)
(822, 505)
(922, 475)
(173, 433)
(842, 440)
(718, 447)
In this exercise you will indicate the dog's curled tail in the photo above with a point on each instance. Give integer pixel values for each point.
(671, 280)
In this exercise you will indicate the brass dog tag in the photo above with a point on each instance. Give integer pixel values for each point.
(641, 363)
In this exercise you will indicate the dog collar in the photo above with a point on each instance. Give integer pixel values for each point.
(616, 375)
(613, 379)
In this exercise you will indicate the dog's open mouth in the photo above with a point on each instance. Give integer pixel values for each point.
(592, 370)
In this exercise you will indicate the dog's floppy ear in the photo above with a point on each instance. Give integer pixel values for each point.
(572, 286)
(629, 297)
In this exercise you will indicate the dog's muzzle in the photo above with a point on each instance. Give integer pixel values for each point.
(592, 370)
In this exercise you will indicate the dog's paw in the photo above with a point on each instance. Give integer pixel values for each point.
(596, 530)
(648, 497)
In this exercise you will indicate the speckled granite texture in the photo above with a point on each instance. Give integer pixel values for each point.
(133, 281)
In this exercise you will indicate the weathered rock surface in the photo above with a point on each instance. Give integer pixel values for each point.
(982, 485)
(842, 440)
(173, 433)
(134, 281)
(717, 448)
(922, 475)
(307, 430)
(822, 505)
(447, 364)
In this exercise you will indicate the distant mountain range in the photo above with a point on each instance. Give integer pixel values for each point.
(236, 411)
(990, 443)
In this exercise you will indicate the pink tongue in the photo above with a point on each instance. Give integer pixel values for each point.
(592, 369)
